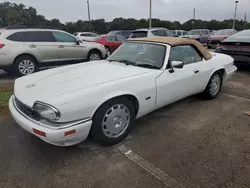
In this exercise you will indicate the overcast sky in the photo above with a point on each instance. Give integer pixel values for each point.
(181, 10)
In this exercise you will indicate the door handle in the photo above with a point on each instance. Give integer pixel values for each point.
(196, 71)
(32, 46)
(61, 46)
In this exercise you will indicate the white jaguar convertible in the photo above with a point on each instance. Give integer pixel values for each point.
(62, 106)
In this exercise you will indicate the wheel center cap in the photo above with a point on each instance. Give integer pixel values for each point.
(117, 121)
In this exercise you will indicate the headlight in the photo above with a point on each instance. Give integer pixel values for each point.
(46, 111)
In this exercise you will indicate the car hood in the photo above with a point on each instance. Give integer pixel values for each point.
(52, 83)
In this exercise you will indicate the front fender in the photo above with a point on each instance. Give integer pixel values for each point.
(114, 95)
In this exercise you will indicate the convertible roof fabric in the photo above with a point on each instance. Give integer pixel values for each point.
(177, 42)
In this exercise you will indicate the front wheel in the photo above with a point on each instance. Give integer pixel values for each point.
(94, 55)
(113, 121)
(214, 86)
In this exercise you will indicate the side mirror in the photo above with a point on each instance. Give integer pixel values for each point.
(176, 64)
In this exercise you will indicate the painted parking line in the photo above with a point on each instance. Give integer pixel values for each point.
(149, 167)
(236, 97)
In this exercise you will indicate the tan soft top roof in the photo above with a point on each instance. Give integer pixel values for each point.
(176, 42)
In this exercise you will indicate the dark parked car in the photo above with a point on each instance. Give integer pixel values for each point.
(125, 33)
(238, 46)
(200, 35)
(219, 36)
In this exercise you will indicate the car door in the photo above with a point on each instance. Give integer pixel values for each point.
(69, 49)
(182, 82)
(113, 43)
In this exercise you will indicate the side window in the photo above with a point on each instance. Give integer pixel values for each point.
(111, 38)
(156, 33)
(85, 34)
(19, 37)
(43, 36)
(137, 34)
(63, 37)
(162, 33)
(170, 33)
(185, 53)
(32, 36)
(120, 38)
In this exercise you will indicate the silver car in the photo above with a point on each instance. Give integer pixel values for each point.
(24, 51)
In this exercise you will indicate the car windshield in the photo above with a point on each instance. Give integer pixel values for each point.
(194, 32)
(140, 54)
(223, 32)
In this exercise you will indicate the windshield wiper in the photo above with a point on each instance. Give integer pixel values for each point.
(147, 66)
(126, 62)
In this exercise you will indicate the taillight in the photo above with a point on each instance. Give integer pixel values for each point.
(2, 45)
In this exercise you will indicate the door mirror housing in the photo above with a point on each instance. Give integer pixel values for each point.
(176, 64)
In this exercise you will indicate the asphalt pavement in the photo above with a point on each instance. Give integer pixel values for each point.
(192, 143)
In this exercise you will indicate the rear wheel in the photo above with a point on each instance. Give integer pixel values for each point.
(214, 86)
(25, 65)
(113, 121)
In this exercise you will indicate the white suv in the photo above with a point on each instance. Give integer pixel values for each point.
(24, 51)
(163, 32)
(85, 36)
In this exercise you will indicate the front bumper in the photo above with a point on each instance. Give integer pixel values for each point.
(60, 137)
(230, 73)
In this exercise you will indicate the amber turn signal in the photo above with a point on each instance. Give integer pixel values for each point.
(40, 133)
(69, 133)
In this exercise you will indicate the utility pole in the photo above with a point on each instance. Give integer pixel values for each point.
(245, 21)
(150, 14)
(236, 6)
(89, 15)
(193, 17)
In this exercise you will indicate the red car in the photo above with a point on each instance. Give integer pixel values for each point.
(111, 42)
(219, 36)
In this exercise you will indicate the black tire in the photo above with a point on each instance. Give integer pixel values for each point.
(32, 61)
(95, 53)
(97, 130)
(208, 94)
